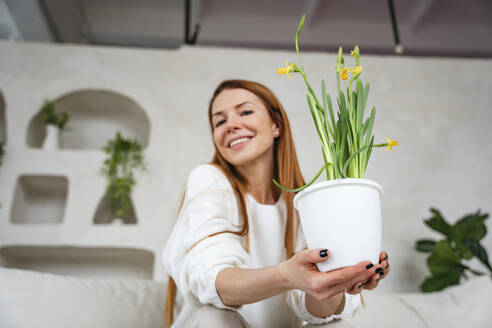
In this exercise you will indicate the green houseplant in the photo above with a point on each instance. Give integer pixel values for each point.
(124, 156)
(54, 123)
(342, 213)
(461, 242)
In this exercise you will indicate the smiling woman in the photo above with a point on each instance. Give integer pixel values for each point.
(237, 253)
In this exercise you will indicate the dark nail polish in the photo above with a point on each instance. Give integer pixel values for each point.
(370, 265)
(323, 253)
(385, 257)
(387, 265)
(378, 270)
(381, 274)
(360, 286)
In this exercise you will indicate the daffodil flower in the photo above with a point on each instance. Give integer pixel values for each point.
(285, 70)
(343, 73)
(356, 70)
(390, 144)
(355, 53)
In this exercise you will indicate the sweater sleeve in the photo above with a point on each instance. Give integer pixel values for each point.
(192, 258)
(296, 298)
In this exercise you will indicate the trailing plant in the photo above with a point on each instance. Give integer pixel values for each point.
(346, 139)
(461, 242)
(125, 155)
(49, 116)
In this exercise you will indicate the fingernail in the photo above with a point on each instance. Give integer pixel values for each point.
(370, 265)
(385, 257)
(387, 265)
(377, 280)
(360, 286)
(381, 274)
(378, 270)
(323, 253)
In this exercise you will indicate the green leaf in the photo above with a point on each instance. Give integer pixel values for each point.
(425, 245)
(438, 223)
(444, 250)
(438, 264)
(361, 102)
(330, 108)
(478, 251)
(440, 281)
(472, 226)
(370, 122)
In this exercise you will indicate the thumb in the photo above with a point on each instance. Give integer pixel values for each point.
(315, 255)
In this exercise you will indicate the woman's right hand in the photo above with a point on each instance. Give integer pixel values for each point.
(300, 272)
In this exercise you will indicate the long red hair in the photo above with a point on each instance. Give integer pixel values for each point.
(286, 171)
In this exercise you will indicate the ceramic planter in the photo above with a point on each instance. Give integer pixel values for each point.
(52, 140)
(344, 216)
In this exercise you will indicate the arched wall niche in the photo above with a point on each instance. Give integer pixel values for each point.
(95, 117)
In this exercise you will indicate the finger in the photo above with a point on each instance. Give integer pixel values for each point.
(315, 255)
(372, 283)
(356, 289)
(362, 271)
(383, 256)
(348, 276)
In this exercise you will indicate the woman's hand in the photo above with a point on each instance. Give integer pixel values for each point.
(300, 272)
(373, 282)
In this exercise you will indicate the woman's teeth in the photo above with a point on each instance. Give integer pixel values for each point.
(237, 141)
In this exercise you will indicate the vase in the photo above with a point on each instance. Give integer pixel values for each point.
(52, 139)
(344, 216)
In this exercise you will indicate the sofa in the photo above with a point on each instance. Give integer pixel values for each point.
(30, 299)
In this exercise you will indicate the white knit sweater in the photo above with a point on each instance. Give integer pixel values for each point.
(210, 206)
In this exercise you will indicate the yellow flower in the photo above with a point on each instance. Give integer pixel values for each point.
(343, 74)
(355, 52)
(285, 70)
(391, 144)
(356, 70)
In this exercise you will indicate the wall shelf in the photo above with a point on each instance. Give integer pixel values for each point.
(95, 117)
(39, 199)
(94, 262)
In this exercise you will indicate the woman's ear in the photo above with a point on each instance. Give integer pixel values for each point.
(276, 130)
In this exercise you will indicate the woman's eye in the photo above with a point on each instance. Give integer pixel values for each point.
(219, 123)
(247, 112)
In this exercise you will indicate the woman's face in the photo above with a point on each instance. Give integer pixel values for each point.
(243, 130)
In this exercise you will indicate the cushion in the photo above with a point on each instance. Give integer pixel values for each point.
(465, 305)
(33, 299)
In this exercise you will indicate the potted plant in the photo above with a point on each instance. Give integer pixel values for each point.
(461, 243)
(343, 213)
(125, 155)
(54, 123)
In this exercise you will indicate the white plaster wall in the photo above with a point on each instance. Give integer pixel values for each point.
(439, 110)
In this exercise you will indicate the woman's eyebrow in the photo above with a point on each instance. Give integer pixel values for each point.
(237, 106)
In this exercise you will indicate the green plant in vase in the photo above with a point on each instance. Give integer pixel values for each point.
(54, 124)
(49, 117)
(461, 242)
(124, 156)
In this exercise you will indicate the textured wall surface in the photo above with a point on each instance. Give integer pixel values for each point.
(439, 110)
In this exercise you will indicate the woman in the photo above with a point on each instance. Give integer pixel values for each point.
(237, 254)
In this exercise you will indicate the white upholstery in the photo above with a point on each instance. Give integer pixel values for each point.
(31, 299)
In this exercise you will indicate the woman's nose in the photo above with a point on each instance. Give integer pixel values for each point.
(232, 126)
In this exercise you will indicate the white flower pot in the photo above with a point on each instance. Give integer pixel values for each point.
(52, 140)
(343, 216)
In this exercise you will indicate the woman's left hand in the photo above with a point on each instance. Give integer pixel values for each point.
(373, 282)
